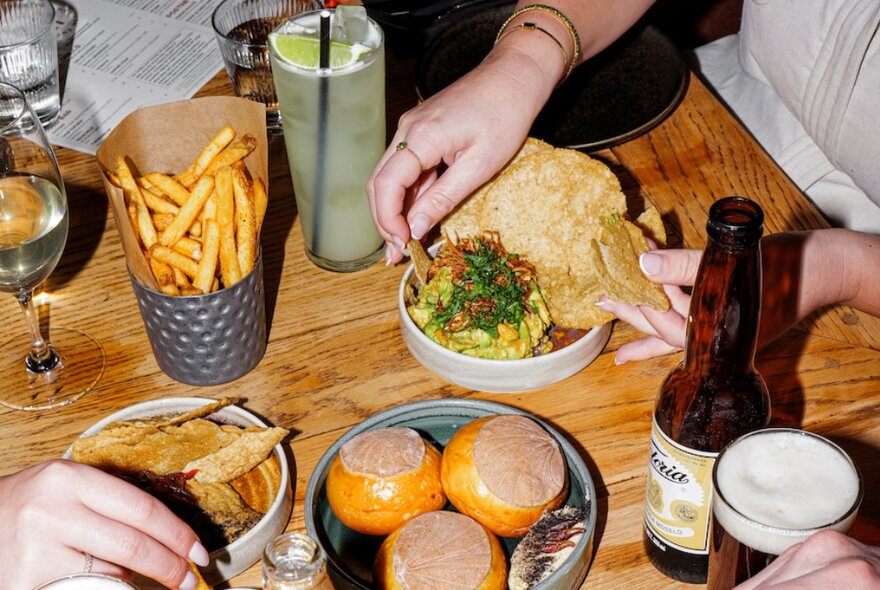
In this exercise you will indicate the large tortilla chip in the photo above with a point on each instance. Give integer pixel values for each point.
(650, 222)
(465, 221)
(160, 450)
(238, 458)
(225, 507)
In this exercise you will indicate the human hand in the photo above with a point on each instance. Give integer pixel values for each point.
(824, 560)
(473, 126)
(666, 331)
(56, 513)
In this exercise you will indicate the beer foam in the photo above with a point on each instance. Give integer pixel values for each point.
(789, 481)
(87, 582)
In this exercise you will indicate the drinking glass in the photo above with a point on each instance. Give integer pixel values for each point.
(773, 488)
(29, 54)
(33, 231)
(241, 28)
(334, 130)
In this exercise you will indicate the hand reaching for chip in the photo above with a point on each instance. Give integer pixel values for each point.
(57, 514)
(803, 271)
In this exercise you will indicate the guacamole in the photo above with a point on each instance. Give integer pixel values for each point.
(483, 302)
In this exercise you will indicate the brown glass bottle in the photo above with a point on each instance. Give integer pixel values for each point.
(713, 396)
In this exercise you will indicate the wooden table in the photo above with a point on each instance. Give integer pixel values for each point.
(335, 355)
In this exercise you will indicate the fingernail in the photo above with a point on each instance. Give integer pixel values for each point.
(650, 263)
(199, 555)
(617, 361)
(419, 226)
(189, 582)
(388, 254)
(398, 241)
(603, 303)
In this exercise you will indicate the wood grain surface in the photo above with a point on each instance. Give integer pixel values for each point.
(335, 355)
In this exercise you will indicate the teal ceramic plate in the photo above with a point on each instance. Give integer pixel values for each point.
(350, 554)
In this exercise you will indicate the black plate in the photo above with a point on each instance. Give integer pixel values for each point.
(615, 96)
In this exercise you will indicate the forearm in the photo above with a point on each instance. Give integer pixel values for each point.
(805, 271)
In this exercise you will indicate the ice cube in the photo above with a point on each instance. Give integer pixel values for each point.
(350, 25)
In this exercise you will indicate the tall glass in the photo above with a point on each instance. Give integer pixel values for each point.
(773, 488)
(29, 54)
(334, 130)
(33, 231)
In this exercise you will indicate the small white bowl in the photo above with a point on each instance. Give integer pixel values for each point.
(247, 550)
(497, 376)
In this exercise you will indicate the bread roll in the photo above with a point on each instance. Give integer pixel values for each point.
(504, 471)
(382, 478)
(438, 551)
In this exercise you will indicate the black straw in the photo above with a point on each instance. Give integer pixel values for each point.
(323, 63)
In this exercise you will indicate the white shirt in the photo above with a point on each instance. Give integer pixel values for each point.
(804, 78)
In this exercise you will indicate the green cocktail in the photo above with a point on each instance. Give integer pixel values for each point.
(334, 129)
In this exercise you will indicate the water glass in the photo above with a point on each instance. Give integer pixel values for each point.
(29, 54)
(241, 28)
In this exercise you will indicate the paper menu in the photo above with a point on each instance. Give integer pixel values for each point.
(128, 54)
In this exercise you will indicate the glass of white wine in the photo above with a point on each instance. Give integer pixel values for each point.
(33, 231)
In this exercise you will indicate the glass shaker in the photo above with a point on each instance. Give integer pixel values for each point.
(294, 561)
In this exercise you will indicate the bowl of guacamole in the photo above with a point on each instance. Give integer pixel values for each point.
(482, 320)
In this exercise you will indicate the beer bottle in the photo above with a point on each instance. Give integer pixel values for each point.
(712, 397)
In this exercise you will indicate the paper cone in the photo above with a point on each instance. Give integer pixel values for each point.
(167, 138)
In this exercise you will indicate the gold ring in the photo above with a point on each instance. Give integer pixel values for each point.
(404, 146)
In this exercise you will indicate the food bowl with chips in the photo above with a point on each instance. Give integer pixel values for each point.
(495, 375)
(261, 496)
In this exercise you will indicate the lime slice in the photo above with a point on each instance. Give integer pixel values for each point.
(305, 51)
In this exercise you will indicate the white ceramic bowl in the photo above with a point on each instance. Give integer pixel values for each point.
(498, 376)
(247, 550)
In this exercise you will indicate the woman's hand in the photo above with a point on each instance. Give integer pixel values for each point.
(56, 513)
(665, 331)
(827, 559)
(473, 126)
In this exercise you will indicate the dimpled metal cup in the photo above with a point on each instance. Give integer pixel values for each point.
(207, 339)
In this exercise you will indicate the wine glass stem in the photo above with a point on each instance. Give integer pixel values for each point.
(41, 357)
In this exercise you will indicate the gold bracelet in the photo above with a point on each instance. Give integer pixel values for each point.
(566, 22)
(528, 26)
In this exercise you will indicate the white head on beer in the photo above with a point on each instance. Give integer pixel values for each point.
(777, 486)
(87, 582)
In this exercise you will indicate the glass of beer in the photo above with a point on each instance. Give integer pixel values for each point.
(772, 489)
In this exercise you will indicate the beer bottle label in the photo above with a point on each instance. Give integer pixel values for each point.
(679, 492)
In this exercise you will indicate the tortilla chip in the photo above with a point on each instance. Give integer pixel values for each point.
(159, 421)
(465, 221)
(225, 507)
(201, 584)
(616, 257)
(571, 299)
(650, 222)
(236, 459)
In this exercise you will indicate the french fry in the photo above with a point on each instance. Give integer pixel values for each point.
(187, 178)
(162, 220)
(174, 258)
(210, 151)
(133, 219)
(180, 278)
(261, 203)
(195, 230)
(208, 264)
(230, 271)
(245, 224)
(189, 247)
(162, 271)
(158, 204)
(234, 152)
(169, 289)
(188, 212)
(189, 290)
(145, 226)
(175, 191)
